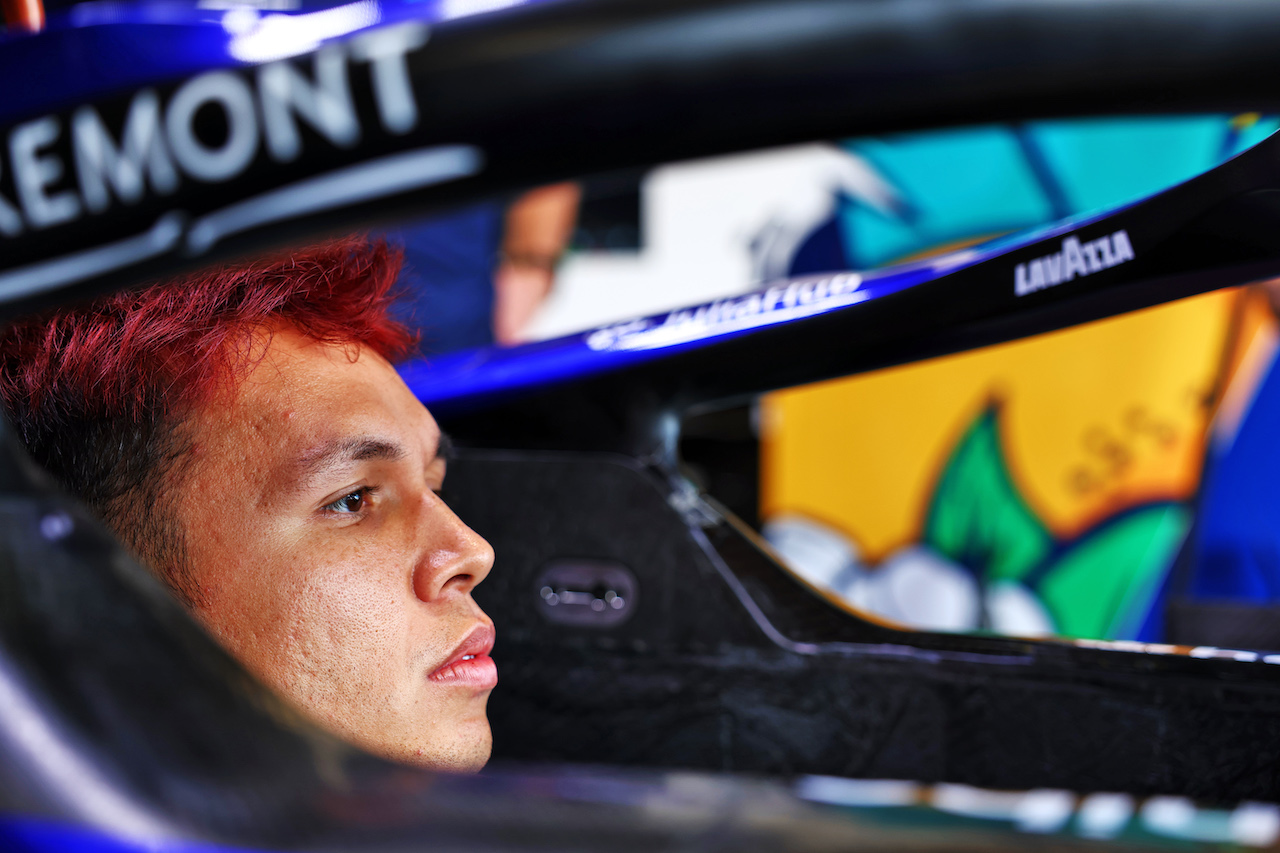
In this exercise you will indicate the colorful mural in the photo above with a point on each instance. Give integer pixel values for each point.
(1044, 486)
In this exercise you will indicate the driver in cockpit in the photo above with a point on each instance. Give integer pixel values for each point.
(242, 430)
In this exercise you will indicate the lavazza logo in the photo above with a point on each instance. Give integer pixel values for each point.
(1075, 259)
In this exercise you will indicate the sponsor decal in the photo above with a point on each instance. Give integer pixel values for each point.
(1076, 259)
(158, 146)
(775, 304)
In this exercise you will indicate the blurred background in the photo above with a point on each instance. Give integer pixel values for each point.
(1111, 481)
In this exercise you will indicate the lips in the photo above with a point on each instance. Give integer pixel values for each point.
(470, 665)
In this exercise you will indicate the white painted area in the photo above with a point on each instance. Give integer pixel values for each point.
(450, 9)
(864, 793)
(919, 588)
(915, 586)
(1104, 815)
(816, 552)
(975, 802)
(1012, 609)
(270, 37)
(1256, 824)
(712, 228)
(1044, 810)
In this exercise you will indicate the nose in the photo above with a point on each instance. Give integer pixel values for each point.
(455, 557)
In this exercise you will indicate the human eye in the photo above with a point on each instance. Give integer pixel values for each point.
(352, 503)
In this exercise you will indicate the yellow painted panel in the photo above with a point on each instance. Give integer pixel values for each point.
(1094, 419)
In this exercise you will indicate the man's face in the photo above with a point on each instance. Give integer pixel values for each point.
(327, 562)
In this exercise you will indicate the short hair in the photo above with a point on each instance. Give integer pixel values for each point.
(99, 392)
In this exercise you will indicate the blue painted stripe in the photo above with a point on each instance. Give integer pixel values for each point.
(461, 380)
(31, 835)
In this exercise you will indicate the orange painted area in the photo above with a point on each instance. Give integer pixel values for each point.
(1094, 419)
(1251, 355)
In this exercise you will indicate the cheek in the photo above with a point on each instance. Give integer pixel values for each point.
(337, 634)
(310, 618)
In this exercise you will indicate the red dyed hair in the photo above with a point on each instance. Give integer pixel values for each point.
(185, 336)
(99, 392)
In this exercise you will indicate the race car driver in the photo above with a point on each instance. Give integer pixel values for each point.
(244, 432)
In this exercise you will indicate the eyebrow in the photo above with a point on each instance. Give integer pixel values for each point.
(341, 452)
(337, 454)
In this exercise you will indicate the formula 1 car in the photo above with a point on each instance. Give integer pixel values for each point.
(677, 651)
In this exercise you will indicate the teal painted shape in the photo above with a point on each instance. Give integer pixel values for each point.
(1102, 163)
(941, 175)
(973, 182)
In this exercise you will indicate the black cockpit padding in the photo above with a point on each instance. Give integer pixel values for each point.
(730, 663)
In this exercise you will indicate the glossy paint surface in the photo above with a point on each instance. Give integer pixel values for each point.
(126, 722)
(103, 47)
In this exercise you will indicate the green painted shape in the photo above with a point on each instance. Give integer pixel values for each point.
(978, 518)
(1104, 584)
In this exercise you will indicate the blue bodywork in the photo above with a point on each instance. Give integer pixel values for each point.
(460, 381)
(105, 46)
(104, 49)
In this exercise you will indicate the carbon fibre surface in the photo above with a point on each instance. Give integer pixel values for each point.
(730, 664)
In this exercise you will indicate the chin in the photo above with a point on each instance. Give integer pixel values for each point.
(461, 755)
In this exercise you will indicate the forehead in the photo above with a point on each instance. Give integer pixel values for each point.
(303, 393)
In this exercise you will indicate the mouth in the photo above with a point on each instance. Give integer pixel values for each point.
(469, 665)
